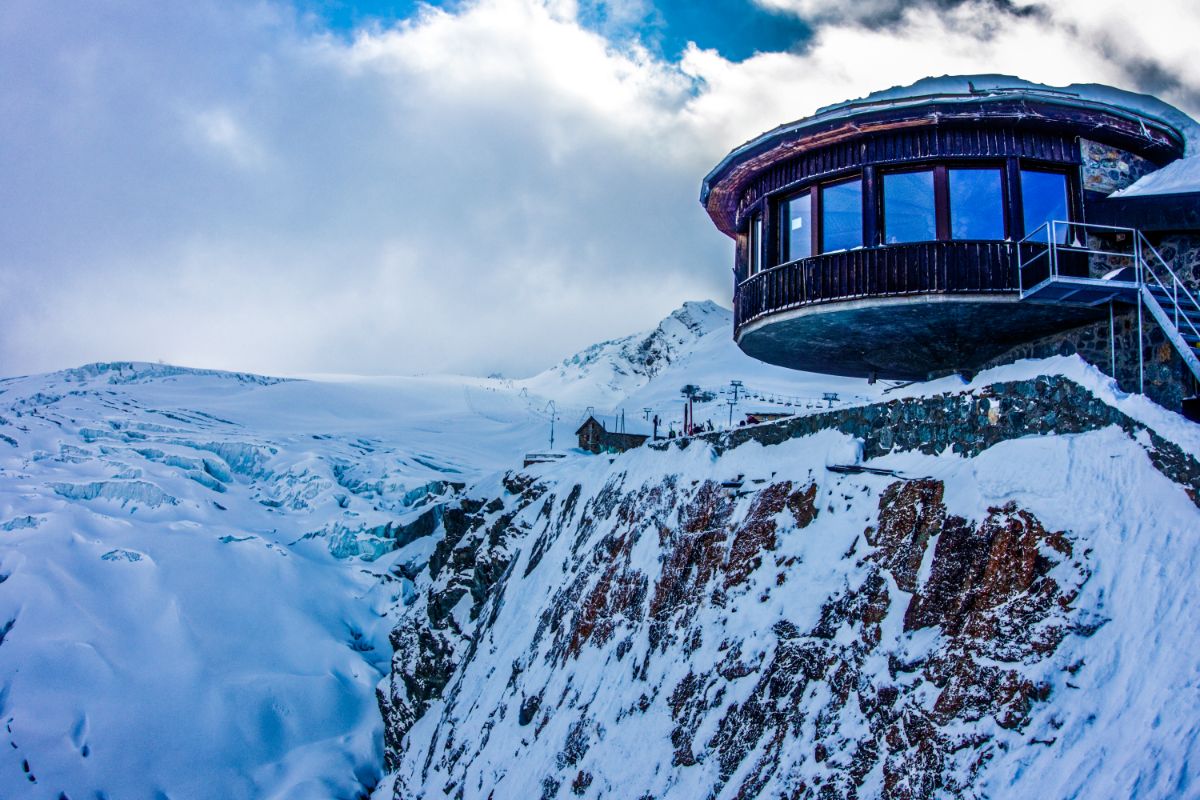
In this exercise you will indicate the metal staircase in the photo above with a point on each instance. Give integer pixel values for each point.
(1056, 262)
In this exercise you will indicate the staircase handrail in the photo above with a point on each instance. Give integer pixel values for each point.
(1046, 235)
(1176, 284)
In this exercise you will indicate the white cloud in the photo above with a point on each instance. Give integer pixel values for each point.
(1152, 43)
(488, 188)
(220, 130)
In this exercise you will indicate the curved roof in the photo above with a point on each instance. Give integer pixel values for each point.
(931, 96)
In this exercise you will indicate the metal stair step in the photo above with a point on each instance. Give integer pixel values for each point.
(1184, 319)
(1168, 305)
(1165, 294)
(1183, 314)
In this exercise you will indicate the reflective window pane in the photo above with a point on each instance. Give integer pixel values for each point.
(1044, 198)
(908, 209)
(841, 216)
(976, 204)
(798, 236)
(754, 244)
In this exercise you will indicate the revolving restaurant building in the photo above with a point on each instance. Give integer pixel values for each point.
(941, 227)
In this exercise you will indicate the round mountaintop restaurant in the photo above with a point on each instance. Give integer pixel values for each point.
(900, 236)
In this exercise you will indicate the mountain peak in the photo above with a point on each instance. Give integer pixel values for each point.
(609, 370)
(700, 317)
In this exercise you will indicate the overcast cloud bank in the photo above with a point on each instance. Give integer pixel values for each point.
(483, 188)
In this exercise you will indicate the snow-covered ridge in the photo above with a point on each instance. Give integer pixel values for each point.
(122, 372)
(692, 345)
(704, 622)
(608, 371)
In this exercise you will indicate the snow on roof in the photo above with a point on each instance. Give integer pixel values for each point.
(974, 88)
(967, 88)
(1178, 177)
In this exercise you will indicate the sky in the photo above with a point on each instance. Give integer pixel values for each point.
(475, 186)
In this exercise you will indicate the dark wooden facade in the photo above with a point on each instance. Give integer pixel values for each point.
(1149, 213)
(1016, 137)
(953, 267)
(920, 267)
(908, 147)
(1035, 132)
(595, 439)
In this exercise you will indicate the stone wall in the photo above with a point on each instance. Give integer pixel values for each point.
(968, 423)
(1167, 379)
(1107, 168)
(1166, 376)
(1182, 253)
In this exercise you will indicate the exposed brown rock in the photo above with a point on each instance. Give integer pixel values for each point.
(756, 534)
(988, 591)
(619, 594)
(910, 512)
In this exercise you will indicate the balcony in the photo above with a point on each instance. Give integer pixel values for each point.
(900, 311)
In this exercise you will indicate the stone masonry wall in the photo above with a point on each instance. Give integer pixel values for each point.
(1166, 376)
(968, 423)
(1182, 252)
(1107, 168)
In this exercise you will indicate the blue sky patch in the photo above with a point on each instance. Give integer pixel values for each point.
(737, 29)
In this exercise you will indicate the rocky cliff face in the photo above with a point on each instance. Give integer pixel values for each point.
(745, 622)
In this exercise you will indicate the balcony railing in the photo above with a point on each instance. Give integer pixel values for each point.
(967, 267)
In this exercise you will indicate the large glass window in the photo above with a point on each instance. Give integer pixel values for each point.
(754, 244)
(1044, 198)
(908, 207)
(797, 238)
(976, 204)
(841, 216)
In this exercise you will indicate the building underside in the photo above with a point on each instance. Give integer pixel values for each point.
(904, 338)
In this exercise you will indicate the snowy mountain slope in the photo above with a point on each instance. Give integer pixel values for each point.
(200, 572)
(692, 345)
(180, 544)
(1011, 623)
(715, 360)
(604, 373)
(188, 600)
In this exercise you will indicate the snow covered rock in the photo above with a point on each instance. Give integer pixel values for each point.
(734, 619)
